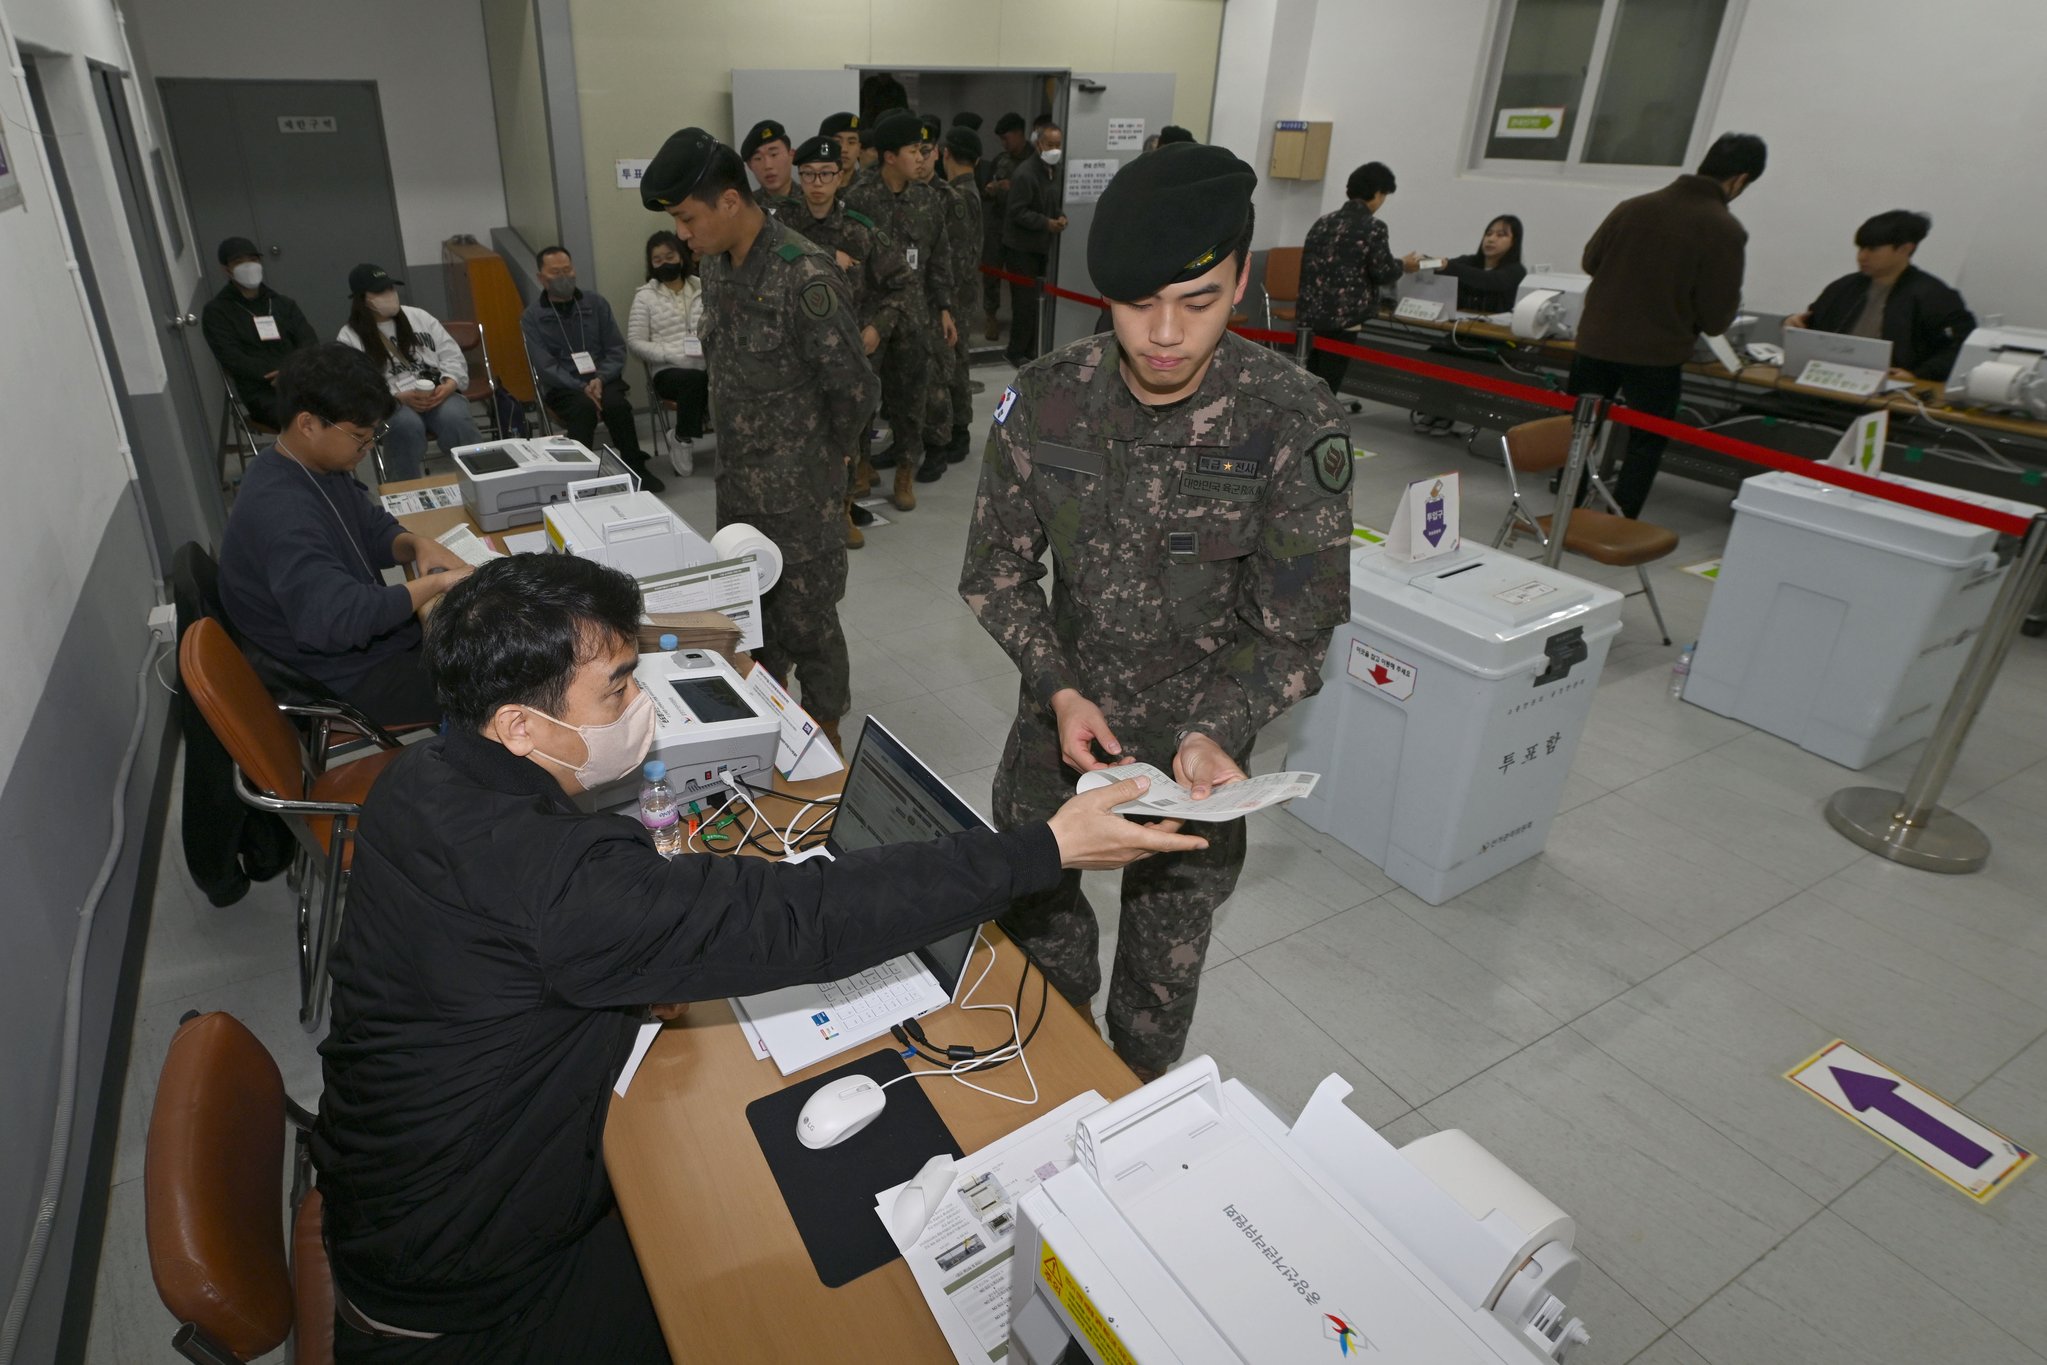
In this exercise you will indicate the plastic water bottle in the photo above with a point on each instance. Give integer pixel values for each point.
(659, 811)
(670, 643)
(1681, 670)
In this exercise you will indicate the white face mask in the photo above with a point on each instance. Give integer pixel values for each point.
(248, 274)
(611, 750)
(1052, 156)
(384, 305)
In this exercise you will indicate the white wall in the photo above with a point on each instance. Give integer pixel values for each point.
(431, 71)
(1866, 104)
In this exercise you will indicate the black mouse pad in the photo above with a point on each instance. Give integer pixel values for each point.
(830, 1191)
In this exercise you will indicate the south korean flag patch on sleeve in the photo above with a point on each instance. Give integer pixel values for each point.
(1002, 408)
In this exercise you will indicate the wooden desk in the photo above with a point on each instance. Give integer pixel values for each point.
(728, 1272)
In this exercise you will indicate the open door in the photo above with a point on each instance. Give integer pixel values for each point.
(1137, 104)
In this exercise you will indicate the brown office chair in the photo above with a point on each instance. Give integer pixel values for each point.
(1603, 537)
(1282, 285)
(482, 380)
(211, 1164)
(273, 772)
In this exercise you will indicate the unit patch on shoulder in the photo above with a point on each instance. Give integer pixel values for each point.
(818, 300)
(1002, 408)
(1332, 461)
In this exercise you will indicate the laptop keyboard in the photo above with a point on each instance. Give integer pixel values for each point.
(879, 995)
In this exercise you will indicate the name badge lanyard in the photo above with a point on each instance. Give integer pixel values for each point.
(582, 344)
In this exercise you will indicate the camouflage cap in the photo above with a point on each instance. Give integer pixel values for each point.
(676, 169)
(1167, 216)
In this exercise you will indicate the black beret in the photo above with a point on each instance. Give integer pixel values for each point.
(1009, 123)
(764, 132)
(1172, 133)
(1166, 217)
(676, 169)
(967, 119)
(815, 149)
(834, 124)
(898, 129)
(232, 248)
(963, 143)
(933, 125)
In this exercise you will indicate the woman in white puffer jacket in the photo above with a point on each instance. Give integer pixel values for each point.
(663, 330)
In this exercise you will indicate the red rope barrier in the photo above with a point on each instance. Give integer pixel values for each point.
(2003, 523)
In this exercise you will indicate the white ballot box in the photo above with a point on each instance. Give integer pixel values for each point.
(1840, 621)
(1450, 710)
(1195, 1227)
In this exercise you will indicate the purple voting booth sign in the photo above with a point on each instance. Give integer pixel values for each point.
(1434, 520)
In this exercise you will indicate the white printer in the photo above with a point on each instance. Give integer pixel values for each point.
(1549, 304)
(505, 483)
(1195, 1226)
(2002, 367)
(707, 722)
(608, 520)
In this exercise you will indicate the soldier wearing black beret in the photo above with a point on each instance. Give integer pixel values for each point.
(792, 392)
(766, 151)
(1194, 491)
(845, 129)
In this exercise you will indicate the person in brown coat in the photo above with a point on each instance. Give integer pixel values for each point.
(1666, 268)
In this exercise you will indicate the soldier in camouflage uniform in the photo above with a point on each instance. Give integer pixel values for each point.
(883, 283)
(1345, 262)
(1194, 491)
(843, 128)
(959, 150)
(994, 201)
(938, 413)
(912, 215)
(791, 390)
(766, 152)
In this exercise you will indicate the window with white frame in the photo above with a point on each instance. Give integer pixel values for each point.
(1603, 82)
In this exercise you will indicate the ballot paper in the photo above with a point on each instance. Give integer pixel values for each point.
(645, 1040)
(422, 500)
(726, 586)
(961, 1263)
(1170, 800)
(801, 750)
(526, 543)
(468, 546)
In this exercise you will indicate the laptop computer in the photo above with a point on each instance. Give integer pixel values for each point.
(890, 797)
(1836, 361)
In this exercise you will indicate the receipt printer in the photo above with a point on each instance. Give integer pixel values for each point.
(2002, 367)
(505, 483)
(707, 723)
(606, 520)
(1549, 305)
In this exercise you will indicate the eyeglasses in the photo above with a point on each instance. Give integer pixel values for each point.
(377, 433)
(818, 177)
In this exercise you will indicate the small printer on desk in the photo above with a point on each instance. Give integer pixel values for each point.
(505, 483)
(707, 723)
(608, 520)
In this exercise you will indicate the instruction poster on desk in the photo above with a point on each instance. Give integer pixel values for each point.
(961, 1263)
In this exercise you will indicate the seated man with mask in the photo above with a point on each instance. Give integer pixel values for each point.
(501, 949)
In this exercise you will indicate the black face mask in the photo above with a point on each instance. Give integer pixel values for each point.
(668, 272)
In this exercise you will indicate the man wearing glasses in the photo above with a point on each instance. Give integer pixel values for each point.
(302, 559)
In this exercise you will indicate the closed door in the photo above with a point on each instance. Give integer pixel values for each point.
(1108, 116)
(299, 167)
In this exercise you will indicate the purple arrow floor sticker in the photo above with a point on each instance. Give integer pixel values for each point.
(1975, 1159)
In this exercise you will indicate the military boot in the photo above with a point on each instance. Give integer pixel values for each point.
(905, 496)
(854, 538)
(863, 477)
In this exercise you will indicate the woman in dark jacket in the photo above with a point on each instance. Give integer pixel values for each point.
(1923, 318)
(1488, 278)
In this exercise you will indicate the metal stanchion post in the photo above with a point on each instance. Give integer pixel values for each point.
(1304, 344)
(1586, 423)
(1910, 827)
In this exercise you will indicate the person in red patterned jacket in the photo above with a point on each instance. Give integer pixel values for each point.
(1345, 263)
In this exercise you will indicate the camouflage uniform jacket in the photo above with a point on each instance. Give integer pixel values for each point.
(1345, 262)
(914, 219)
(1200, 549)
(790, 388)
(773, 203)
(963, 237)
(882, 282)
(994, 203)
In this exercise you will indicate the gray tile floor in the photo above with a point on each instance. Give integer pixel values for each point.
(1612, 1018)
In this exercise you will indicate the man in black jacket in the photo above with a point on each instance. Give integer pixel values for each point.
(579, 356)
(501, 949)
(1888, 297)
(251, 330)
(1030, 220)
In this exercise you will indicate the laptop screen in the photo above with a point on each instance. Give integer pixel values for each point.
(890, 797)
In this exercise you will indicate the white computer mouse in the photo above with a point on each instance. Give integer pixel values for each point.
(918, 1200)
(839, 1110)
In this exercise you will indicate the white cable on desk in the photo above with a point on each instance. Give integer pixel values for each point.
(1013, 1049)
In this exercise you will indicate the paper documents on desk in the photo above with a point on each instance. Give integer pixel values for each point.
(468, 546)
(423, 500)
(1170, 800)
(641, 1043)
(526, 543)
(962, 1260)
(728, 586)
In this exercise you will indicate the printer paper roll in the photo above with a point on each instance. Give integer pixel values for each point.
(1995, 381)
(1528, 314)
(1483, 1184)
(738, 541)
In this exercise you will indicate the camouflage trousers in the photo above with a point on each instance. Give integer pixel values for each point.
(1168, 901)
(904, 364)
(960, 389)
(801, 636)
(938, 388)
